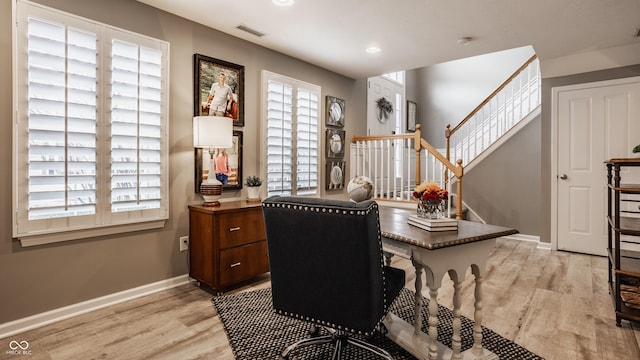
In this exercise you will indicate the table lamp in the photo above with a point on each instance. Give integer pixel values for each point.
(212, 132)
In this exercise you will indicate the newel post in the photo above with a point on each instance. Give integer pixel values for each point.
(447, 135)
(417, 136)
(459, 191)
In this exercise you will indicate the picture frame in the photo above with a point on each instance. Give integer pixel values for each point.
(412, 108)
(335, 111)
(335, 143)
(209, 71)
(203, 163)
(335, 174)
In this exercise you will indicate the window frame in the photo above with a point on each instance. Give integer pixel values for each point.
(104, 221)
(296, 84)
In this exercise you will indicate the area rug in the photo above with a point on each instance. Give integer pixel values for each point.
(256, 332)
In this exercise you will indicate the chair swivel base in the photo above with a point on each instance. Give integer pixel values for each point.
(340, 340)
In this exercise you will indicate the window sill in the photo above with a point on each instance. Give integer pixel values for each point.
(51, 238)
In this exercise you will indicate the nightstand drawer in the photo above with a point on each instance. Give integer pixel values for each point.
(243, 262)
(240, 228)
(227, 243)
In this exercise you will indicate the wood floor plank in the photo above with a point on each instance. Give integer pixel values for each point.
(555, 304)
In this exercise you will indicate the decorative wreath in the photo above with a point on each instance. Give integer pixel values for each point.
(385, 108)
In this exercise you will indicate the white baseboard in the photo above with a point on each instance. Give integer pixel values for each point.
(531, 238)
(544, 246)
(49, 317)
(523, 237)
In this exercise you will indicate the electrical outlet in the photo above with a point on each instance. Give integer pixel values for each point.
(184, 243)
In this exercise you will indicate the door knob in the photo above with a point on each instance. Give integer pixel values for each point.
(563, 177)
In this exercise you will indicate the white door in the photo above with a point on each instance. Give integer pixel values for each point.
(380, 87)
(595, 122)
(383, 124)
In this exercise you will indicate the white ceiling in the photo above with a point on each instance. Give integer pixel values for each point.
(333, 34)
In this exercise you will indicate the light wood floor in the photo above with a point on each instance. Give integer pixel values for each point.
(555, 304)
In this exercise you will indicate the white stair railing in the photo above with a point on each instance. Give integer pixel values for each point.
(396, 163)
(511, 102)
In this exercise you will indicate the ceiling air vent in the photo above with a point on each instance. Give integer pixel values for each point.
(250, 30)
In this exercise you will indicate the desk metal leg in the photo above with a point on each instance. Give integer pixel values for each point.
(417, 325)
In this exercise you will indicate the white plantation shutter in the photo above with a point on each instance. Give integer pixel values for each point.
(91, 128)
(292, 120)
(279, 138)
(61, 65)
(136, 127)
(307, 142)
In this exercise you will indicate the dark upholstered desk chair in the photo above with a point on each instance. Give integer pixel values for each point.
(327, 268)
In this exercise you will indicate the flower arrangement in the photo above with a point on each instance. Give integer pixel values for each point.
(431, 200)
(430, 192)
(253, 181)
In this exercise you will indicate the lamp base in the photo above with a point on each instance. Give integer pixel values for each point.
(211, 192)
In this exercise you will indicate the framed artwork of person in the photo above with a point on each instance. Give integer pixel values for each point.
(219, 88)
(203, 164)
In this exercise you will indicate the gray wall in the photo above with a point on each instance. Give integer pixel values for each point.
(504, 188)
(545, 145)
(512, 186)
(448, 92)
(37, 279)
(42, 278)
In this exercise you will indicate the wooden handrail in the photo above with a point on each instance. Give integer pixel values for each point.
(420, 144)
(448, 132)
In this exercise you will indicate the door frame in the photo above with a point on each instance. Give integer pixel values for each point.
(555, 93)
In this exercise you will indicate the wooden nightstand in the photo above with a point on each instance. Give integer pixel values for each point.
(227, 243)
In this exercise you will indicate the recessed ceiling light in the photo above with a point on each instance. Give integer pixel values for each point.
(283, 2)
(373, 49)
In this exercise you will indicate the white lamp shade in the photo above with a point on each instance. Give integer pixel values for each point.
(212, 132)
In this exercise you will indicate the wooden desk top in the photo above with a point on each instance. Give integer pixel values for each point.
(393, 225)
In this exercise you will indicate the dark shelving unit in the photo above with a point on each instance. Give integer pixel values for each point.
(624, 265)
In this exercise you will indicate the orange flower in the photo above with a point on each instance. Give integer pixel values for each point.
(430, 192)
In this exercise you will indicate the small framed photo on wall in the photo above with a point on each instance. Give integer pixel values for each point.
(335, 111)
(411, 115)
(335, 143)
(335, 174)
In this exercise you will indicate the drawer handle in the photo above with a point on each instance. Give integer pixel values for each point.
(234, 229)
(235, 264)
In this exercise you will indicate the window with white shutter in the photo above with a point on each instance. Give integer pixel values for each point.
(90, 130)
(136, 127)
(292, 113)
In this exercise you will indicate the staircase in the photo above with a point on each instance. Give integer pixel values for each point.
(507, 108)
(396, 163)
